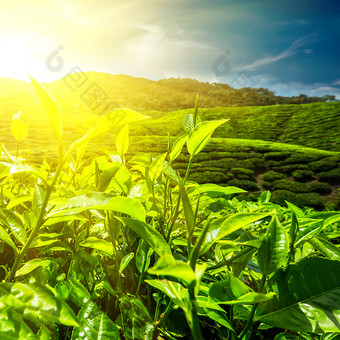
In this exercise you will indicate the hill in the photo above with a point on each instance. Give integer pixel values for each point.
(290, 149)
(144, 95)
(314, 125)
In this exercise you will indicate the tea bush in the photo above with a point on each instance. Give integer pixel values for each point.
(119, 248)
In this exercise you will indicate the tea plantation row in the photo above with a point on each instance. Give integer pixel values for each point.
(303, 176)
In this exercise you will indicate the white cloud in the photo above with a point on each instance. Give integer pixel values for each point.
(297, 88)
(290, 51)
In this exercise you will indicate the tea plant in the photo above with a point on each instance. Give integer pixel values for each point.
(129, 249)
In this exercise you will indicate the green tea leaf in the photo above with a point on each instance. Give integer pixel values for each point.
(307, 297)
(95, 324)
(156, 167)
(10, 165)
(100, 201)
(14, 223)
(174, 290)
(177, 148)
(143, 254)
(38, 197)
(273, 252)
(170, 172)
(19, 127)
(122, 180)
(31, 265)
(188, 123)
(13, 327)
(36, 303)
(110, 120)
(228, 290)
(219, 230)
(7, 239)
(98, 244)
(149, 234)
(50, 106)
(136, 321)
(326, 248)
(125, 262)
(18, 200)
(187, 207)
(200, 135)
(234, 292)
(209, 187)
(168, 266)
(122, 141)
(287, 336)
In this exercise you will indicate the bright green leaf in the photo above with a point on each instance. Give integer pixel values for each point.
(122, 141)
(200, 135)
(177, 147)
(149, 234)
(125, 262)
(98, 244)
(31, 265)
(36, 302)
(50, 106)
(168, 266)
(95, 324)
(19, 127)
(219, 229)
(156, 167)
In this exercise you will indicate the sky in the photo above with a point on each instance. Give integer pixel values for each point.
(291, 47)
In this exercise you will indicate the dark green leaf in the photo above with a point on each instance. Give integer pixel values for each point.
(137, 323)
(95, 324)
(274, 249)
(143, 254)
(307, 297)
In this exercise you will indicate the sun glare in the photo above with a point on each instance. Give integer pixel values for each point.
(19, 57)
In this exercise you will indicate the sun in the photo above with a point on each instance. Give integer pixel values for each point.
(19, 56)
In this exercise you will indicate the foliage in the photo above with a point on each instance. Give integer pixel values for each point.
(131, 248)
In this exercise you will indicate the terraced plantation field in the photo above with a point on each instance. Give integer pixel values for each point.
(238, 156)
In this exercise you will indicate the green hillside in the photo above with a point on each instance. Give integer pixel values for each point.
(314, 125)
(290, 149)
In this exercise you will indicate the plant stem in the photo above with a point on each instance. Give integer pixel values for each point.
(165, 314)
(174, 218)
(199, 242)
(194, 323)
(114, 250)
(39, 223)
(249, 322)
(232, 259)
(17, 153)
(188, 170)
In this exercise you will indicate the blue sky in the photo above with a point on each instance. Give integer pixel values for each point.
(290, 47)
